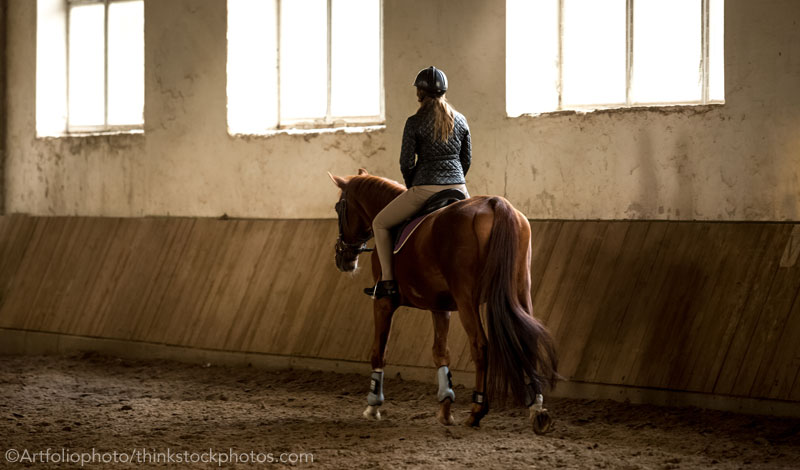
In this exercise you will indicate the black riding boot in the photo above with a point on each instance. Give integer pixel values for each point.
(382, 289)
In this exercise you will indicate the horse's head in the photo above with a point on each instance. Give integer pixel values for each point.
(355, 228)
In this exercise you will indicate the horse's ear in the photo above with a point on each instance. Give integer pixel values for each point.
(337, 180)
(362, 171)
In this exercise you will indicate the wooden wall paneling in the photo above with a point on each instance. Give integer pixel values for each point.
(242, 333)
(706, 257)
(618, 361)
(211, 244)
(60, 277)
(795, 393)
(21, 308)
(554, 274)
(231, 269)
(562, 318)
(147, 302)
(16, 232)
(771, 323)
(273, 316)
(345, 329)
(636, 258)
(158, 252)
(776, 374)
(81, 273)
(670, 310)
(737, 302)
(544, 235)
(100, 319)
(120, 283)
(310, 299)
(411, 338)
(743, 325)
(585, 314)
(739, 250)
(687, 306)
(460, 350)
(316, 284)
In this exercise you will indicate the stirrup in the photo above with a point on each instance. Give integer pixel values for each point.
(383, 289)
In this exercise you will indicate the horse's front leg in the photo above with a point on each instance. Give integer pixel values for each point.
(441, 357)
(383, 310)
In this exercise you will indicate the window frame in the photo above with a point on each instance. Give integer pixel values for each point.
(705, 39)
(328, 121)
(105, 127)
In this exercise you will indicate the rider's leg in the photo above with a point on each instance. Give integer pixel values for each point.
(401, 208)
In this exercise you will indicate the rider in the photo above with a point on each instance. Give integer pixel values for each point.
(435, 155)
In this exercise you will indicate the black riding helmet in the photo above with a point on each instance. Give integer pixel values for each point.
(432, 80)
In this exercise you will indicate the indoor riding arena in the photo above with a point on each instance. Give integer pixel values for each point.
(198, 199)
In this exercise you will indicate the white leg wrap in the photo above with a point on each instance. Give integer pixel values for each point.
(445, 385)
(375, 395)
(538, 404)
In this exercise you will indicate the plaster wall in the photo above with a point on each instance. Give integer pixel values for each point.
(738, 161)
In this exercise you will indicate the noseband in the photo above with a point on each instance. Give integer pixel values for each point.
(354, 248)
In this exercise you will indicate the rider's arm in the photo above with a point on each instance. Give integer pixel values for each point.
(466, 149)
(408, 153)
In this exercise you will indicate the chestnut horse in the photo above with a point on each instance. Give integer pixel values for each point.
(472, 252)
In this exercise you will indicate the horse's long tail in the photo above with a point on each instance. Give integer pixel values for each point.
(519, 345)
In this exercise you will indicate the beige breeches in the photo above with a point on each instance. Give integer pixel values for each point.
(401, 208)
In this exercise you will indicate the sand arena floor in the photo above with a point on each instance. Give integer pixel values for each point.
(88, 401)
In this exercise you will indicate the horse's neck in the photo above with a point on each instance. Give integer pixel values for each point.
(374, 203)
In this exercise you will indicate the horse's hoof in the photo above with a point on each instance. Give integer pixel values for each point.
(444, 415)
(541, 421)
(372, 412)
(472, 421)
(447, 419)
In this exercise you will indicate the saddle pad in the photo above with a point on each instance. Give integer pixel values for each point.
(408, 230)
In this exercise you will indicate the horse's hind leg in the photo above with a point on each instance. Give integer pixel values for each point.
(470, 319)
(441, 357)
(383, 310)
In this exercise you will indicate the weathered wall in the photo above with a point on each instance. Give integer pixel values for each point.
(740, 161)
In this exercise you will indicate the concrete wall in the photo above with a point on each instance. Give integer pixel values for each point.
(740, 161)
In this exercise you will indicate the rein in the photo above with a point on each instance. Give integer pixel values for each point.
(357, 247)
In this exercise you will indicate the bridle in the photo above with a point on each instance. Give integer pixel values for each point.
(353, 248)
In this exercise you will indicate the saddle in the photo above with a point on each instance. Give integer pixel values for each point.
(402, 232)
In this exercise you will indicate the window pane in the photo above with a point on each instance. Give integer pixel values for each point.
(355, 57)
(716, 50)
(304, 59)
(126, 63)
(531, 56)
(666, 51)
(593, 52)
(51, 68)
(252, 66)
(86, 65)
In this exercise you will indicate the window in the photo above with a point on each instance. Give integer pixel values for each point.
(591, 54)
(94, 82)
(303, 63)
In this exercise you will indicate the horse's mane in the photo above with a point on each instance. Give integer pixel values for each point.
(377, 188)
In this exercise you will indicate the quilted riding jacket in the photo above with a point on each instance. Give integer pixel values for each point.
(425, 159)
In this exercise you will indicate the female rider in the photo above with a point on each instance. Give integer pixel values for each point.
(435, 155)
